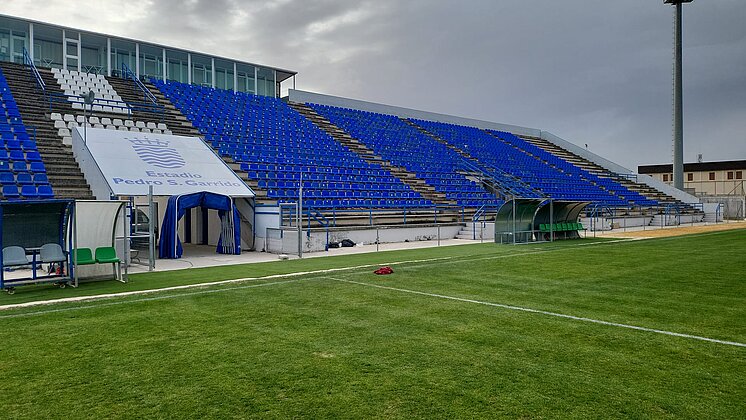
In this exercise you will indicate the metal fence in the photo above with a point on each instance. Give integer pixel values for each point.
(734, 207)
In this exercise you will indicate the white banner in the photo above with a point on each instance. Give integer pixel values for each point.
(130, 162)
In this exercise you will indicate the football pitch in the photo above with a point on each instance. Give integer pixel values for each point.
(578, 329)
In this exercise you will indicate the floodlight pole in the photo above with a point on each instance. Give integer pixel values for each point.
(678, 102)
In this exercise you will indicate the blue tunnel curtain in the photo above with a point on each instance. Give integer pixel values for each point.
(170, 245)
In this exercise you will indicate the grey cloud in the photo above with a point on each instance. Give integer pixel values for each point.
(593, 72)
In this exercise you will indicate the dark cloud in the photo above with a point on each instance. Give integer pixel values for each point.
(592, 72)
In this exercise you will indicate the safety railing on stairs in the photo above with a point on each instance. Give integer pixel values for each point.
(479, 217)
(147, 94)
(34, 71)
(501, 180)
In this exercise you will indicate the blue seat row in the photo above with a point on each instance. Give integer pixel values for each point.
(277, 146)
(401, 144)
(543, 171)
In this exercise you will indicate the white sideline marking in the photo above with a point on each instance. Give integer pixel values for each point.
(148, 299)
(276, 276)
(555, 314)
(199, 285)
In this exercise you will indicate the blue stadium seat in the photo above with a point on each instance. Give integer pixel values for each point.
(45, 191)
(29, 192)
(7, 178)
(10, 191)
(275, 144)
(401, 144)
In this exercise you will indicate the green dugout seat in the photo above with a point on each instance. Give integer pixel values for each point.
(106, 255)
(84, 256)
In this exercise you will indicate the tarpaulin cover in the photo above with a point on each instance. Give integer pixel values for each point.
(170, 245)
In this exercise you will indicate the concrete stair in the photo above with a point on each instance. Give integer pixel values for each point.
(477, 231)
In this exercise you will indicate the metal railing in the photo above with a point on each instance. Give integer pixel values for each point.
(127, 108)
(505, 183)
(128, 74)
(34, 71)
(630, 177)
(480, 217)
(287, 212)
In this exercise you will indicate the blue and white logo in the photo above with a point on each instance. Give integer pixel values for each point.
(157, 153)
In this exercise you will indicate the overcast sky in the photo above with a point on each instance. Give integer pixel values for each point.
(594, 72)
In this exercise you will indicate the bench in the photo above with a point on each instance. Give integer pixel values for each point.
(103, 255)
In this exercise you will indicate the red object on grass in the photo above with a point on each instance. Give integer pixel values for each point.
(384, 270)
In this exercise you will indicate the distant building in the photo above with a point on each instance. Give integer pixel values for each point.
(704, 178)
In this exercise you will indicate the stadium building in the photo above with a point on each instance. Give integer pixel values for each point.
(705, 178)
(92, 116)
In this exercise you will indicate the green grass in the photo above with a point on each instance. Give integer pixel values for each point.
(315, 346)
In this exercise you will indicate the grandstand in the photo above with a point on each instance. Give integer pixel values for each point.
(358, 163)
(22, 172)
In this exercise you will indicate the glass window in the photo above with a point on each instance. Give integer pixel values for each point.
(178, 66)
(93, 54)
(712, 176)
(72, 55)
(122, 53)
(266, 82)
(201, 70)
(151, 61)
(19, 42)
(665, 177)
(13, 39)
(47, 46)
(690, 177)
(245, 76)
(4, 45)
(739, 175)
(730, 174)
(223, 74)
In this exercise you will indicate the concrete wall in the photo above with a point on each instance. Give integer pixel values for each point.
(367, 235)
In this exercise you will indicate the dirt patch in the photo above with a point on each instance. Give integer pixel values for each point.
(676, 231)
